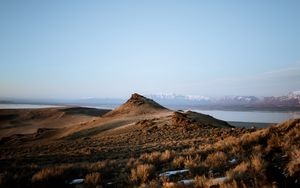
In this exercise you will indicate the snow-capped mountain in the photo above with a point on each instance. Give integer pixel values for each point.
(238, 100)
(164, 96)
(292, 99)
(197, 98)
(174, 99)
(203, 100)
(179, 97)
(294, 95)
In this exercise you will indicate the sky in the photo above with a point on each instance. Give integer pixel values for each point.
(80, 49)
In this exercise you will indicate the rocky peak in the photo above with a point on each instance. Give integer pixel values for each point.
(137, 99)
(135, 105)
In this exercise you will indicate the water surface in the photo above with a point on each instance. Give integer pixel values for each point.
(25, 106)
(251, 116)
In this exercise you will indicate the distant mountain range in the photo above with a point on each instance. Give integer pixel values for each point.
(291, 101)
(194, 99)
(179, 100)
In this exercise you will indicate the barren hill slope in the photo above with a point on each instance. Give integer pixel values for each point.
(139, 111)
(137, 105)
(26, 121)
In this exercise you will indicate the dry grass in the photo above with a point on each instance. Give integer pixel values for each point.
(178, 162)
(201, 182)
(239, 172)
(166, 156)
(47, 173)
(142, 173)
(153, 157)
(258, 163)
(273, 142)
(195, 164)
(293, 167)
(131, 162)
(151, 184)
(134, 157)
(93, 178)
(231, 184)
(216, 159)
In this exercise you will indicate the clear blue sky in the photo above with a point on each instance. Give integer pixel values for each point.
(74, 49)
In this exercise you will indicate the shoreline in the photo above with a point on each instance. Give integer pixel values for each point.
(238, 124)
(241, 124)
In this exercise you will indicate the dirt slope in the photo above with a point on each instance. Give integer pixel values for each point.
(27, 121)
(137, 105)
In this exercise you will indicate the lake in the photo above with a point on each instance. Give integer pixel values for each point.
(25, 106)
(251, 116)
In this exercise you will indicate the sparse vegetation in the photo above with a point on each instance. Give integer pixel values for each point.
(142, 173)
(124, 153)
(93, 178)
(216, 159)
(178, 162)
(48, 174)
(239, 172)
(166, 156)
(293, 167)
(200, 181)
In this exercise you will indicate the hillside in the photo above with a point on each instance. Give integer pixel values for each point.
(137, 105)
(144, 144)
(26, 121)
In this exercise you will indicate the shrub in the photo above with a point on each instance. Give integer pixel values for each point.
(257, 163)
(151, 184)
(250, 139)
(293, 166)
(216, 159)
(200, 181)
(48, 173)
(99, 165)
(239, 172)
(151, 157)
(132, 162)
(273, 142)
(166, 156)
(232, 184)
(178, 162)
(93, 178)
(195, 165)
(226, 144)
(142, 173)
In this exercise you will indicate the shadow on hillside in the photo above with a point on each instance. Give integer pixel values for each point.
(85, 111)
(96, 130)
(8, 117)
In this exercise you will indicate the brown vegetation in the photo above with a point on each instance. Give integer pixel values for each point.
(47, 174)
(142, 173)
(93, 178)
(133, 151)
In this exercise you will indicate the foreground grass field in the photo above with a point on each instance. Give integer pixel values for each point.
(142, 144)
